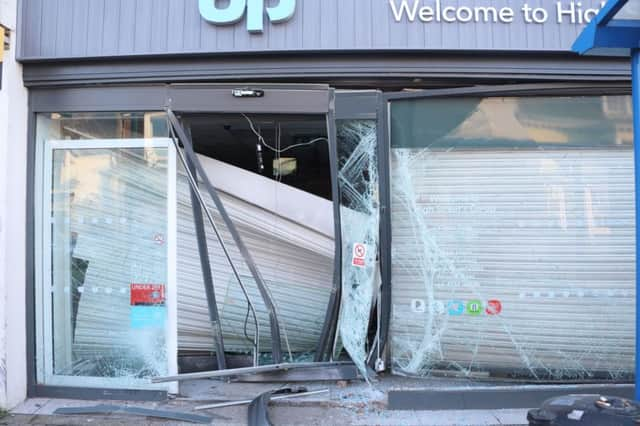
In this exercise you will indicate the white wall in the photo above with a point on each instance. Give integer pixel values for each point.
(13, 164)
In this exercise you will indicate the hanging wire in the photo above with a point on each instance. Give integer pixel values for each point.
(277, 150)
(275, 224)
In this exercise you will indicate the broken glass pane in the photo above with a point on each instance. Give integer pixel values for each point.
(358, 180)
(513, 237)
(109, 257)
(102, 277)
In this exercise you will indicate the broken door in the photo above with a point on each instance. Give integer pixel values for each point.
(107, 295)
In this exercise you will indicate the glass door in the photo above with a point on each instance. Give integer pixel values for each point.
(106, 299)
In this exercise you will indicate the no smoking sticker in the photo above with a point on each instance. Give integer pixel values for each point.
(359, 255)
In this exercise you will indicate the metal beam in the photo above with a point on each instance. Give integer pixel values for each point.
(246, 370)
(207, 276)
(494, 397)
(322, 373)
(329, 330)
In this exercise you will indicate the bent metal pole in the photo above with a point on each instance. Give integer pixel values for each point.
(196, 191)
(207, 275)
(276, 346)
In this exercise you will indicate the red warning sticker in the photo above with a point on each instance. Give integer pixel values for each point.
(359, 255)
(147, 294)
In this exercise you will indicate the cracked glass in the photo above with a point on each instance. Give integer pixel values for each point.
(103, 314)
(359, 209)
(513, 237)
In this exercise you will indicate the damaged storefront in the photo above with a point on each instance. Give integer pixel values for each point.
(332, 188)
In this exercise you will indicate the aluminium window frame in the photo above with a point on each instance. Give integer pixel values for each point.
(355, 105)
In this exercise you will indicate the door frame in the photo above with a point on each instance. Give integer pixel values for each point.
(43, 301)
(182, 98)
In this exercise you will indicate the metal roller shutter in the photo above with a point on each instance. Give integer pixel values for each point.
(547, 234)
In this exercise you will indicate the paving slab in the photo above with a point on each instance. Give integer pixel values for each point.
(353, 403)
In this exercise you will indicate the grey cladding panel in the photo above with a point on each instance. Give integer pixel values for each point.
(102, 28)
(148, 98)
(276, 99)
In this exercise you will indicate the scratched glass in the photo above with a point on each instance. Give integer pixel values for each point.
(513, 237)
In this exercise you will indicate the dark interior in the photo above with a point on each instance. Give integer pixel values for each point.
(229, 138)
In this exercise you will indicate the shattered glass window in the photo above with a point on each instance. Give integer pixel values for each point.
(359, 209)
(108, 319)
(105, 275)
(513, 237)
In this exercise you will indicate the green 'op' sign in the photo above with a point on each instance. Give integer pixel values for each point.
(235, 11)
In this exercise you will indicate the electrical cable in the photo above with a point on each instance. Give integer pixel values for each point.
(276, 150)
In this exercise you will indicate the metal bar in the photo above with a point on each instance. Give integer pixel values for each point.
(276, 347)
(321, 374)
(194, 185)
(137, 411)
(384, 173)
(248, 401)
(207, 276)
(328, 334)
(246, 370)
(635, 71)
(500, 397)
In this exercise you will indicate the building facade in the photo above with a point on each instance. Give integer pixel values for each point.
(13, 127)
(422, 186)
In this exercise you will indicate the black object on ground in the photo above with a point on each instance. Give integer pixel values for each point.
(258, 409)
(146, 412)
(586, 410)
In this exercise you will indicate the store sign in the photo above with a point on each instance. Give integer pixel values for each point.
(254, 9)
(563, 12)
